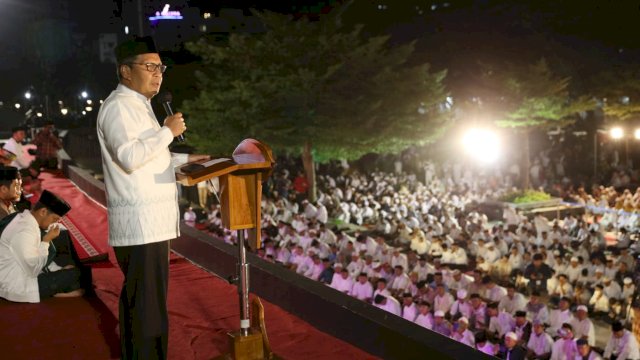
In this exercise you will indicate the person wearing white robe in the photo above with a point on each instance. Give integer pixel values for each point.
(387, 303)
(409, 308)
(622, 344)
(462, 333)
(424, 318)
(583, 326)
(540, 343)
(362, 289)
(142, 196)
(342, 281)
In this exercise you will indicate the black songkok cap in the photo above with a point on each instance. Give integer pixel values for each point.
(616, 326)
(379, 299)
(18, 128)
(8, 173)
(581, 342)
(54, 203)
(135, 46)
(521, 313)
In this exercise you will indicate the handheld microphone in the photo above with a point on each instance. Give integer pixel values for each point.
(165, 99)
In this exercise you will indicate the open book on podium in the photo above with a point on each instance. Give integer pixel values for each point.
(240, 178)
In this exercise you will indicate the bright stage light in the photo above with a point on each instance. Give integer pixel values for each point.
(636, 134)
(617, 133)
(482, 144)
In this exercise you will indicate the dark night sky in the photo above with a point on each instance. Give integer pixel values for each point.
(597, 33)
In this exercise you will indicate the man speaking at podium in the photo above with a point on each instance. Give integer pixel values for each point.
(142, 197)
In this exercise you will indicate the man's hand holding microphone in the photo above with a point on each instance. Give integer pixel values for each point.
(176, 124)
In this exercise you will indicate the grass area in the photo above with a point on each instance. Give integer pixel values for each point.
(527, 196)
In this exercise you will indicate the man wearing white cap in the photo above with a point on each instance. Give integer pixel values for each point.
(440, 325)
(513, 350)
(628, 289)
(611, 288)
(574, 270)
(462, 333)
(582, 326)
(458, 280)
(599, 301)
(461, 306)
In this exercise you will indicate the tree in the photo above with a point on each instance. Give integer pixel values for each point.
(315, 89)
(619, 90)
(526, 98)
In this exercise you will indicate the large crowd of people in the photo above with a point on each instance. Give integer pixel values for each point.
(422, 250)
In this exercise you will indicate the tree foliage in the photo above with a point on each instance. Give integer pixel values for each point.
(534, 97)
(304, 82)
(529, 98)
(619, 90)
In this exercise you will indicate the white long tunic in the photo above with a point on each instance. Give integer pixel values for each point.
(138, 171)
(21, 161)
(22, 256)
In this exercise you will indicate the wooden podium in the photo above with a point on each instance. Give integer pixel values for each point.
(240, 178)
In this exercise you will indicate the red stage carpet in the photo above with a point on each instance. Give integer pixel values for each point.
(202, 308)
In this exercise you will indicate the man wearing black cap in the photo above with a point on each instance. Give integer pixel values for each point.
(142, 197)
(622, 345)
(585, 352)
(10, 189)
(25, 257)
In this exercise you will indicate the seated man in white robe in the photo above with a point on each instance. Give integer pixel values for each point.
(387, 303)
(27, 269)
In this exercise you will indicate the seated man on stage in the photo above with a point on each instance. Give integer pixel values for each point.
(10, 189)
(28, 272)
(21, 160)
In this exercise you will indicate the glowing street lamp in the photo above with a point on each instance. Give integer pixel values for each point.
(482, 144)
(17, 105)
(617, 133)
(64, 111)
(27, 95)
(84, 94)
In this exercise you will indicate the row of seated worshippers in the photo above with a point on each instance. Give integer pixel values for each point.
(615, 211)
(420, 231)
(381, 283)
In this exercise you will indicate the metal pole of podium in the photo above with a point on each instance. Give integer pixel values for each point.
(243, 285)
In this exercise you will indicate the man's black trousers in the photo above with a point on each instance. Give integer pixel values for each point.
(144, 322)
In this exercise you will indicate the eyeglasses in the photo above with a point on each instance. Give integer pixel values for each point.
(151, 67)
